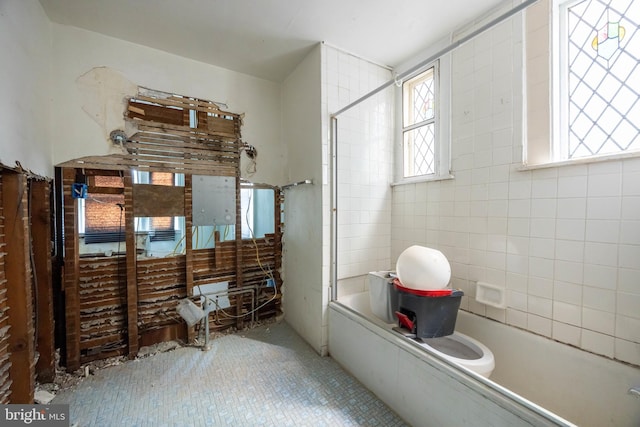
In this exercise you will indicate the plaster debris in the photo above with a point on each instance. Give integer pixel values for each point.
(43, 397)
(68, 380)
(162, 347)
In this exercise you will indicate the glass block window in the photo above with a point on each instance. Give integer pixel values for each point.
(419, 124)
(599, 78)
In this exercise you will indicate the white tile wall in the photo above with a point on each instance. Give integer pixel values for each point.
(563, 241)
(364, 166)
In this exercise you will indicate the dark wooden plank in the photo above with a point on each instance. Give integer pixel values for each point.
(71, 271)
(188, 220)
(132, 285)
(41, 238)
(157, 200)
(19, 297)
(239, 257)
(156, 113)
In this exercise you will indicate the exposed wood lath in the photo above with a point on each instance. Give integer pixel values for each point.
(163, 139)
(161, 284)
(102, 307)
(5, 362)
(117, 303)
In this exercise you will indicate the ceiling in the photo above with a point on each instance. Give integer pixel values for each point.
(268, 38)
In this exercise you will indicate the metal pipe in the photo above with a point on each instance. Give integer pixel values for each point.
(226, 292)
(334, 209)
(438, 54)
(295, 184)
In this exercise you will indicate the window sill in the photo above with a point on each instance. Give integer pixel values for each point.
(581, 161)
(421, 179)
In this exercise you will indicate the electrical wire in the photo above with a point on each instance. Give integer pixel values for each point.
(210, 236)
(252, 154)
(267, 273)
(175, 248)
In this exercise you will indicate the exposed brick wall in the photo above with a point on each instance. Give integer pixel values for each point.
(161, 178)
(102, 213)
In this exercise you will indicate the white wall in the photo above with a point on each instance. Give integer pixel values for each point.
(93, 74)
(25, 49)
(364, 165)
(305, 297)
(564, 241)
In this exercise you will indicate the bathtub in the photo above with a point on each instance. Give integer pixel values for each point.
(536, 381)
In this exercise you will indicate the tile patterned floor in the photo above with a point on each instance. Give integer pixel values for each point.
(267, 376)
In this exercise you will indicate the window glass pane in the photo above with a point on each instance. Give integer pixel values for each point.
(603, 72)
(419, 151)
(104, 218)
(419, 94)
(104, 213)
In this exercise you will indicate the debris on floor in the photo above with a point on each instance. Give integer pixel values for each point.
(162, 347)
(43, 397)
(67, 380)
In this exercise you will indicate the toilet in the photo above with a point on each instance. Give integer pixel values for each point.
(463, 350)
(456, 347)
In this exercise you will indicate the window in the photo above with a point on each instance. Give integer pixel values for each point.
(423, 117)
(599, 78)
(160, 228)
(594, 86)
(102, 213)
(258, 215)
(419, 124)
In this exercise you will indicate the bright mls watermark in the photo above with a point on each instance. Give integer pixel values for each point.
(34, 415)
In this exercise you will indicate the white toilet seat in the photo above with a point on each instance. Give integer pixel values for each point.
(483, 365)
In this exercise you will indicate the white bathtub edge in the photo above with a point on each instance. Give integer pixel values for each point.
(501, 396)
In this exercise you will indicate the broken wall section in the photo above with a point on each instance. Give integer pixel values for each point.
(121, 300)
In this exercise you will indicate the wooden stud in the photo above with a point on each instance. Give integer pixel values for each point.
(18, 275)
(238, 244)
(41, 240)
(188, 241)
(131, 260)
(71, 271)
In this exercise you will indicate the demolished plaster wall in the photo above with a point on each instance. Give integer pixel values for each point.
(105, 92)
(25, 49)
(92, 73)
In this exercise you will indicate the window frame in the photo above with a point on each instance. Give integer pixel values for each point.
(409, 126)
(115, 232)
(442, 113)
(546, 114)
